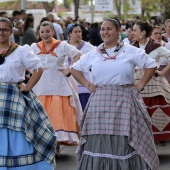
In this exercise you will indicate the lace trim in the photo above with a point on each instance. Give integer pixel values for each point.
(109, 155)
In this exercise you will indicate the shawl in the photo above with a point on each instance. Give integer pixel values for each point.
(55, 43)
(5, 53)
(118, 49)
(151, 45)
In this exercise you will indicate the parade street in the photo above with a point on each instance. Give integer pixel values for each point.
(67, 159)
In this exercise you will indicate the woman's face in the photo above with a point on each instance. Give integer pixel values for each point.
(138, 34)
(46, 33)
(109, 33)
(5, 32)
(76, 34)
(157, 34)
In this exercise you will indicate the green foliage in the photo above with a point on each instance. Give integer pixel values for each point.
(166, 8)
(67, 3)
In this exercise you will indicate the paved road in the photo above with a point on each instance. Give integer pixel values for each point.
(67, 160)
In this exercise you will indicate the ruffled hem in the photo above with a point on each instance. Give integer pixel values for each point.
(109, 152)
(67, 138)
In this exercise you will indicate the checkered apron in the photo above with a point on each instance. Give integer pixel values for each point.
(155, 87)
(157, 100)
(119, 110)
(24, 112)
(167, 74)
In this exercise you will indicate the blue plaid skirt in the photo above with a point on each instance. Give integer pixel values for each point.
(27, 137)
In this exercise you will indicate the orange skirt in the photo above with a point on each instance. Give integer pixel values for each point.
(63, 118)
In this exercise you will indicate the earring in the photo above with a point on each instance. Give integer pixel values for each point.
(141, 36)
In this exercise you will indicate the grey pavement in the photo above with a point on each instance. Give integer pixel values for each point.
(67, 159)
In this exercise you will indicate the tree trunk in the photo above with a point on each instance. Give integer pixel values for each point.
(48, 6)
(118, 4)
(76, 8)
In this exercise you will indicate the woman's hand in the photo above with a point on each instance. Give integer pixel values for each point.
(158, 73)
(91, 87)
(139, 87)
(23, 87)
(66, 72)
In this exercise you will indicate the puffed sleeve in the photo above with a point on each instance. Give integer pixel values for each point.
(84, 63)
(160, 52)
(142, 60)
(69, 50)
(29, 59)
(163, 52)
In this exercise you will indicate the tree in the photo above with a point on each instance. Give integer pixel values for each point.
(118, 5)
(76, 8)
(166, 8)
(10, 5)
(148, 7)
(67, 3)
(49, 6)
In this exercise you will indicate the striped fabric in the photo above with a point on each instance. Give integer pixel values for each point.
(157, 100)
(24, 112)
(157, 86)
(119, 110)
(167, 75)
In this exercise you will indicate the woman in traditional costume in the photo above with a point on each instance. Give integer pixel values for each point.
(156, 93)
(75, 38)
(157, 35)
(27, 138)
(56, 89)
(116, 131)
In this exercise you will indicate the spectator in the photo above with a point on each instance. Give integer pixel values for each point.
(3, 14)
(18, 27)
(166, 35)
(57, 27)
(29, 36)
(94, 34)
(130, 36)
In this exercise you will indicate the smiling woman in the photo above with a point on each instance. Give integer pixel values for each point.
(20, 111)
(55, 88)
(115, 125)
(155, 94)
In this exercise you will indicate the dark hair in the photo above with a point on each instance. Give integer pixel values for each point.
(115, 22)
(144, 26)
(47, 23)
(7, 20)
(15, 13)
(22, 11)
(2, 13)
(27, 22)
(70, 27)
(30, 15)
(44, 19)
